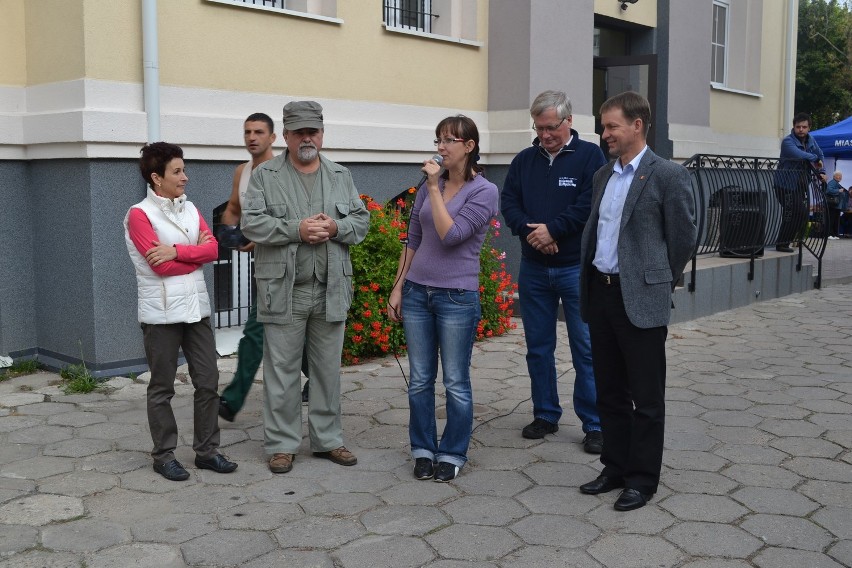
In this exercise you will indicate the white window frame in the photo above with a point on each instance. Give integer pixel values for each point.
(455, 21)
(277, 7)
(723, 46)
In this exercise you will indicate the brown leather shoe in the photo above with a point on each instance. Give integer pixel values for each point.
(340, 456)
(281, 463)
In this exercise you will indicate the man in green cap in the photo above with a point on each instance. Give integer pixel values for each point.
(303, 212)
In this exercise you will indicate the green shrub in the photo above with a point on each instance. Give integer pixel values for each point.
(369, 333)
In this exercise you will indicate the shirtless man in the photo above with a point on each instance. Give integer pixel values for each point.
(258, 134)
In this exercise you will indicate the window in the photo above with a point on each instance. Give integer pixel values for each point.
(443, 20)
(325, 10)
(719, 44)
(409, 14)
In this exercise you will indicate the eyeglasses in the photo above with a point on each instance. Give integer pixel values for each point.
(550, 129)
(446, 141)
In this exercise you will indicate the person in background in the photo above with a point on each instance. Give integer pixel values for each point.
(258, 136)
(545, 202)
(792, 179)
(169, 242)
(303, 212)
(436, 295)
(835, 193)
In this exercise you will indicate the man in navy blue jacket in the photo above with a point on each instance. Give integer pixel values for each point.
(791, 179)
(546, 201)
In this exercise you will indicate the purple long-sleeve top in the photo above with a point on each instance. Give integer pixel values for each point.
(451, 262)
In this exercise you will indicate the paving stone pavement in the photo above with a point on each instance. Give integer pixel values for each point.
(757, 468)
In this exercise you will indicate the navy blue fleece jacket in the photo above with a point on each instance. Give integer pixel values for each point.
(558, 194)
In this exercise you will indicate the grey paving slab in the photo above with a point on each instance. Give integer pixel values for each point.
(84, 535)
(756, 468)
(384, 552)
(473, 542)
(227, 548)
(789, 532)
(17, 538)
(790, 558)
(137, 555)
(713, 539)
(635, 551)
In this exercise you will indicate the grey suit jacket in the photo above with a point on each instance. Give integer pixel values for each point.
(657, 238)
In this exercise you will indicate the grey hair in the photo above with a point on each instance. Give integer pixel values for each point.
(838, 173)
(551, 99)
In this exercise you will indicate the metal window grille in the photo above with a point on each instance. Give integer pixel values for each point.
(409, 14)
(268, 3)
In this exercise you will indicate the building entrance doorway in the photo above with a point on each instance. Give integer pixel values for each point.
(614, 75)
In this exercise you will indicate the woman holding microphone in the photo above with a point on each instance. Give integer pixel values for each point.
(436, 295)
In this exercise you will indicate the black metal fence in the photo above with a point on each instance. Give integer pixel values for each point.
(746, 204)
(233, 282)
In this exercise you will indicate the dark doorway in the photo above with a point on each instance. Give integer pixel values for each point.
(614, 75)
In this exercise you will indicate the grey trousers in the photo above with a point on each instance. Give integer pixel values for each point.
(282, 361)
(162, 342)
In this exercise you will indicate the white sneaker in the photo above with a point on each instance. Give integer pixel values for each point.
(834, 238)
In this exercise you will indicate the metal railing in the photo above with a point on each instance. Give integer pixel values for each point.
(745, 204)
(233, 282)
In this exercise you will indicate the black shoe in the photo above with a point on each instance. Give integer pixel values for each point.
(217, 463)
(539, 428)
(784, 248)
(225, 411)
(424, 468)
(631, 499)
(172, 470)
(306, 392)
(602, 484)
(446, 472)
(593, 442)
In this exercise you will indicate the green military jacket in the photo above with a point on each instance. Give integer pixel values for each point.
(271, 220)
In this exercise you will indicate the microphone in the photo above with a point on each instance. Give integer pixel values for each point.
(437, 158)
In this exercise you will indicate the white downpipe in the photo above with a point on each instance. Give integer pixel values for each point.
(151, 67)
(790, 65)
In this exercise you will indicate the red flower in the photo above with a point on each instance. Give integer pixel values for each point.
(357, 326)
(357, 338)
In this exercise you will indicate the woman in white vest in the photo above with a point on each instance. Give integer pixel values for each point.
(169, 242)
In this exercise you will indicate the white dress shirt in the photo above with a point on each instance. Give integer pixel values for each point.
(609, 221)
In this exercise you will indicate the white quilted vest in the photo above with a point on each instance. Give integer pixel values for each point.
(169, 299)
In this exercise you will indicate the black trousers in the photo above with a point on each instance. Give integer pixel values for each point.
(630, 374)
(162, 342)
(794, 211)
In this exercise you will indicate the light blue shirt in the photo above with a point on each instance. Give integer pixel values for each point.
(609, 220)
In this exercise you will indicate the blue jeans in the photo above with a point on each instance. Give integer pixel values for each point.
(440, 320)
(540, 288)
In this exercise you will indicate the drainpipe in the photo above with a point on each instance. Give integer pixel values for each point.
(151, 67)
(790, 65)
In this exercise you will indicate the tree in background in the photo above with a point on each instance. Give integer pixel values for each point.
(824, 61)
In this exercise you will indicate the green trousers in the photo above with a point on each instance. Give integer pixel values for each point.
(249, 356)
(282, 404)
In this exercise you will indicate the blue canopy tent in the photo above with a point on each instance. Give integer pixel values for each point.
(835, 140)
(836, 144)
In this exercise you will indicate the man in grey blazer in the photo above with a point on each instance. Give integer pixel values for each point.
(639, 237)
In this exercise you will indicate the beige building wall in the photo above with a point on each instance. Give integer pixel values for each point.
(206, 45)
(76, 65)
(13, 63)
(749, 122)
